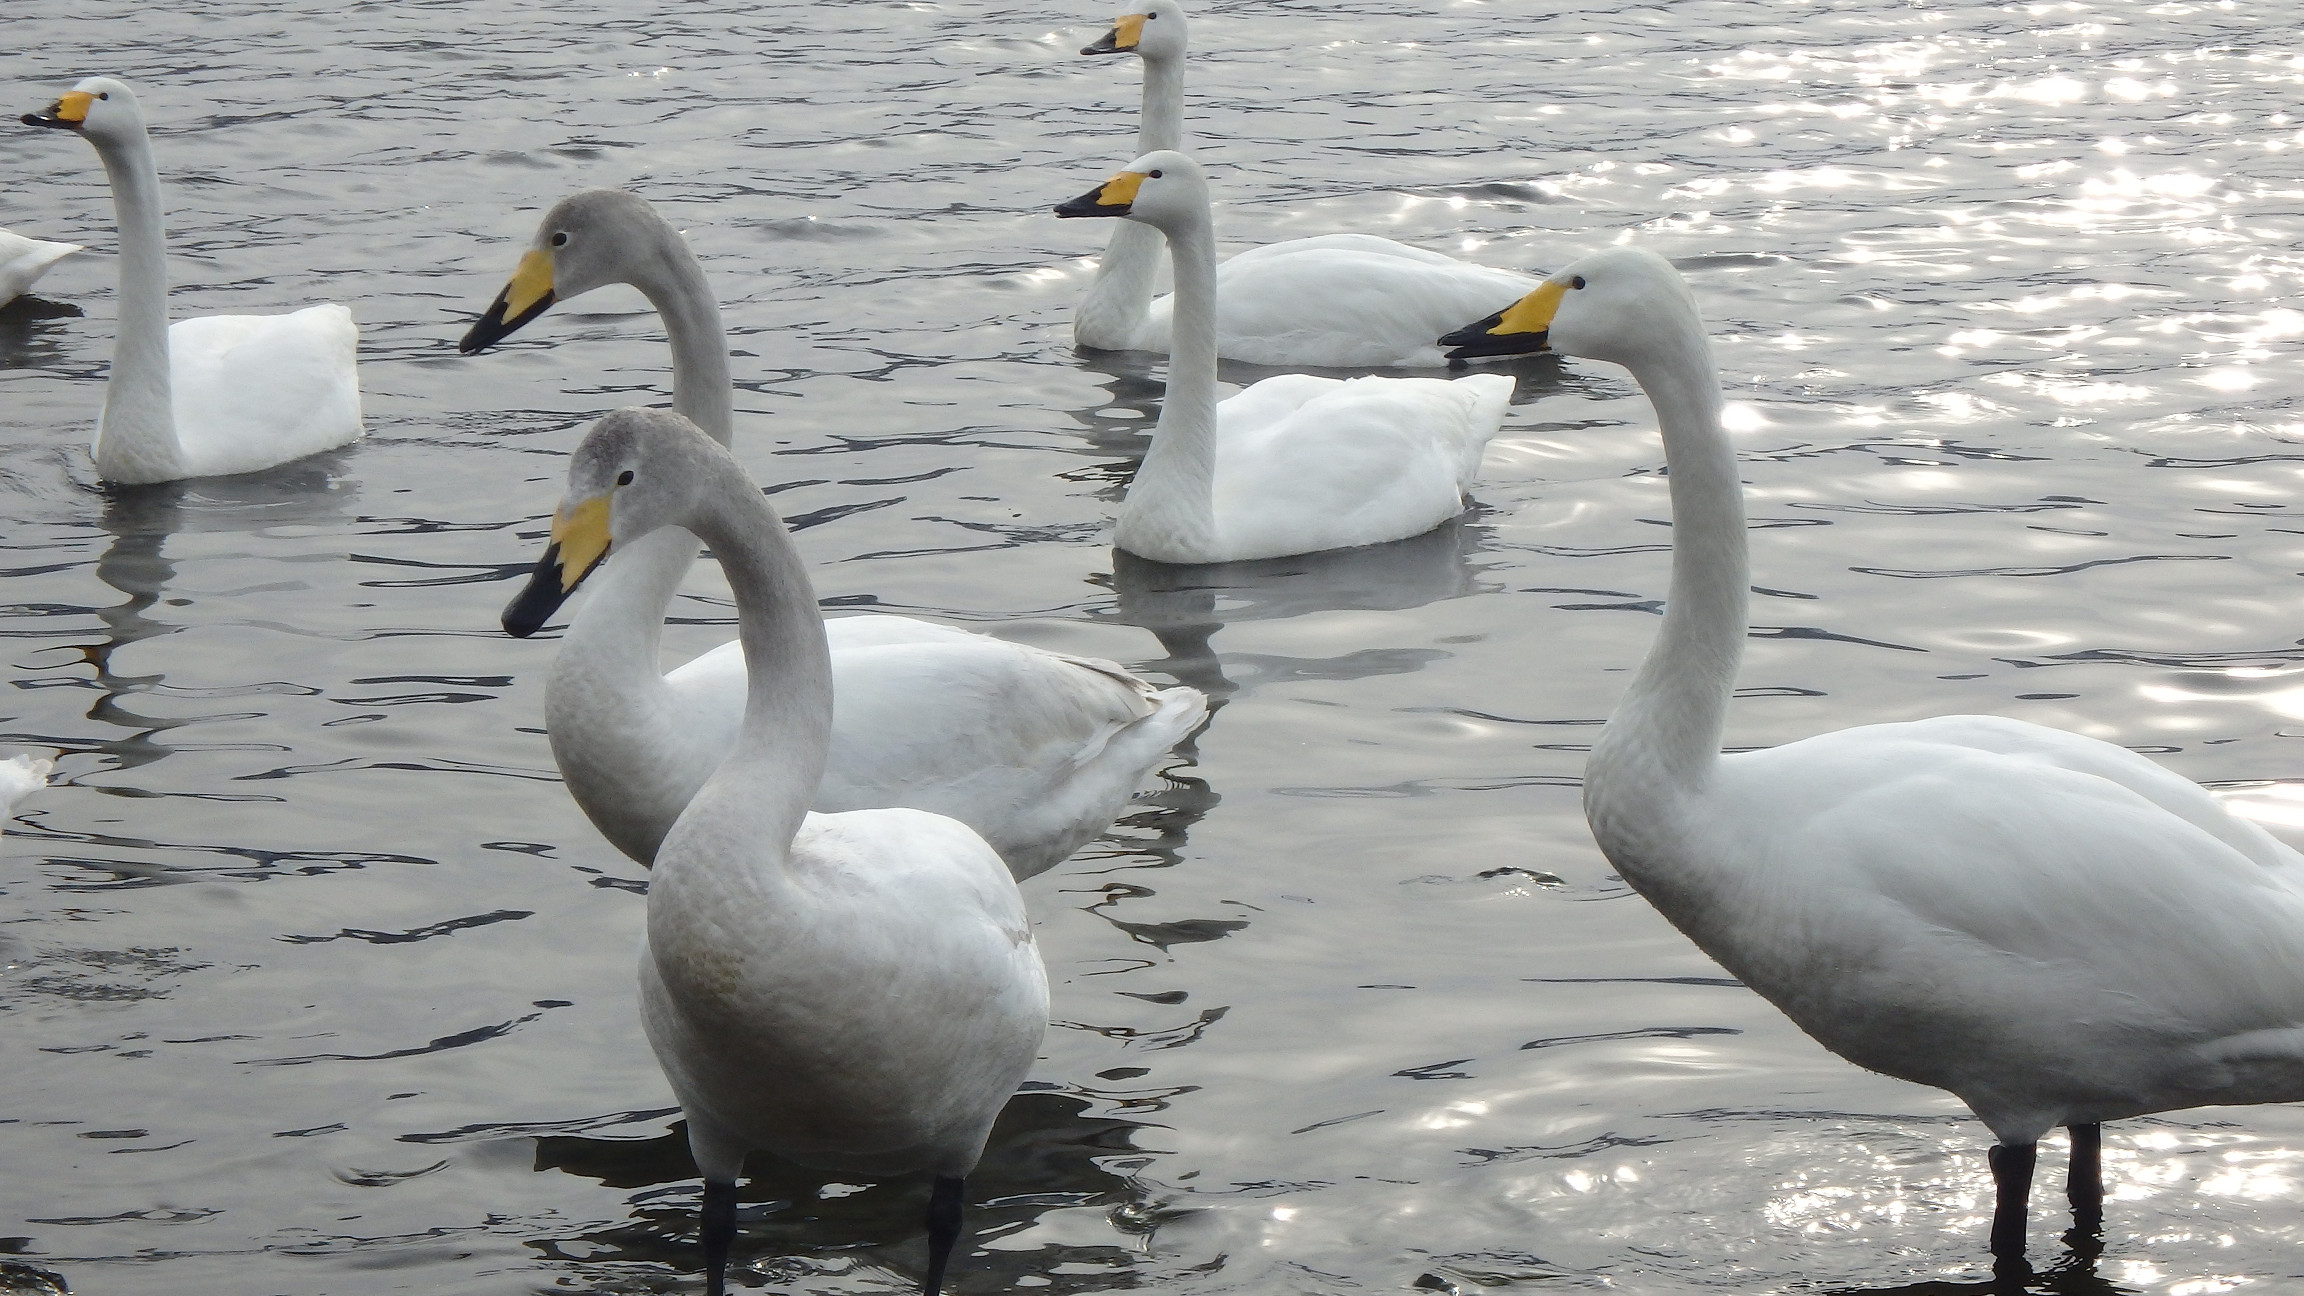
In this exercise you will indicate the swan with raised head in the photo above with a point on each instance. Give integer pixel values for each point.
(23, 260)
(1294, 464)
(2055, 929)
(1037, 751)
(212, 395)
(856, 992)
(1333, 300)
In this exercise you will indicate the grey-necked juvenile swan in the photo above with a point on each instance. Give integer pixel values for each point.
(857, 992)
(2055, 929)
(1297, 463)
(215, 394)
(1035, 750)
(1333, 300)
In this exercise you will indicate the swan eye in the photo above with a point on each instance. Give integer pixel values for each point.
(1152, 175)
(560, 239)
(105, 95)
(1576, 282)
(624, 478)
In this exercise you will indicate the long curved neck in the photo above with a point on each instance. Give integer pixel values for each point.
(1665, 733)
(1171, 504)
(136, 436)
(1115, 306)
(770, 776)
(702, 389)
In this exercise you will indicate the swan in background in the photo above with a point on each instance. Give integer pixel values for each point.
(23, 260)
(2055, 929)
(212, 395)
(857, 992)
(1334, 300)
(20, 777)
(1037, 751)
(1294, 464)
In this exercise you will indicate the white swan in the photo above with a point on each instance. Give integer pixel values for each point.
(23, 260)
(1294, 464)
(2055, 929)
(20, 777)
(1037, 751)
(212, 395)
(857, 992)
(1335, 300)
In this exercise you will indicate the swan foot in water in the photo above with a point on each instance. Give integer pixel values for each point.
(2084, 1188)
(719, 1231)
(2012, 1180)
(943, 1229)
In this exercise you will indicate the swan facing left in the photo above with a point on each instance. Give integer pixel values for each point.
(2055, 929)
(857, 992)
(216, 394)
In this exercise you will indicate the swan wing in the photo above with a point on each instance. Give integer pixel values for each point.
(252, 391)
(1305, 463)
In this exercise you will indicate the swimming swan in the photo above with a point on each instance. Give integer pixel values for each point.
(215, 394)
(2055, 929)
(23, 260)
(20, 777)
(1294, 464)
(857, 992)
(1334, 300)
(1037, 751)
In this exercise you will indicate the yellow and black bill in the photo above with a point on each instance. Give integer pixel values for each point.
(67, 113)
(1126, 31)
(1112, 198)
(579, 544)
(526, 297)
(1518, 329)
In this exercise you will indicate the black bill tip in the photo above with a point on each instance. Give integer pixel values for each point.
(492, 328)
(534, 605)
(1474, 340)
(49, 119)
(1091, 203)
(1108, 43)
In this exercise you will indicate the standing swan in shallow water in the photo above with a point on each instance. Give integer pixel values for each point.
(2055, 929)
(1295, 464)
(215, 394)
(856, 992)
(1035, 750)
(1335, 300)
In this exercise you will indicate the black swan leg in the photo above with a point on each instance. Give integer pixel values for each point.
(2012, 1165)
(719, 1230)
(943, 1229)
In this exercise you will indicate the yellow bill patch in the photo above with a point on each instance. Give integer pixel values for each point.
(531, 283)
(1532, 313)
(1120, 190)
(1127, 30)
(72, 106)
(582, 534)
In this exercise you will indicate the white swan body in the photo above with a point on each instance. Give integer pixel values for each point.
(1036, 751)
(1296, 463)
(20, 777)
(858, 992)
(1332, 301)
(23, 260)
(213, 395)
(2055, 929)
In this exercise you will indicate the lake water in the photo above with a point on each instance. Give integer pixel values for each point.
(316, 981)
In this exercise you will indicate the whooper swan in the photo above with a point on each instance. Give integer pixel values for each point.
(23, 260)
(212, 395)
(1294, 464)
(1036, 751)
(2055, 929)
(857, 992)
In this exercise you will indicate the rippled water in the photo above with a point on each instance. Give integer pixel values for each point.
(316, 982)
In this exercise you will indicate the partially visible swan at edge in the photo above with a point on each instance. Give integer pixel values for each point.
(20, 777)
(1037, 751)
(23, 260)
(1334, 300)
(2055, 929)
(1294, 464)
(857, 992)
(215, 394)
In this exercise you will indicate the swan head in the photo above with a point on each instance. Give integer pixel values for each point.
(101, 108)
(1165, 189)
(636, 471)
(587, 241)
(1155, 33)
(1618, 305)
